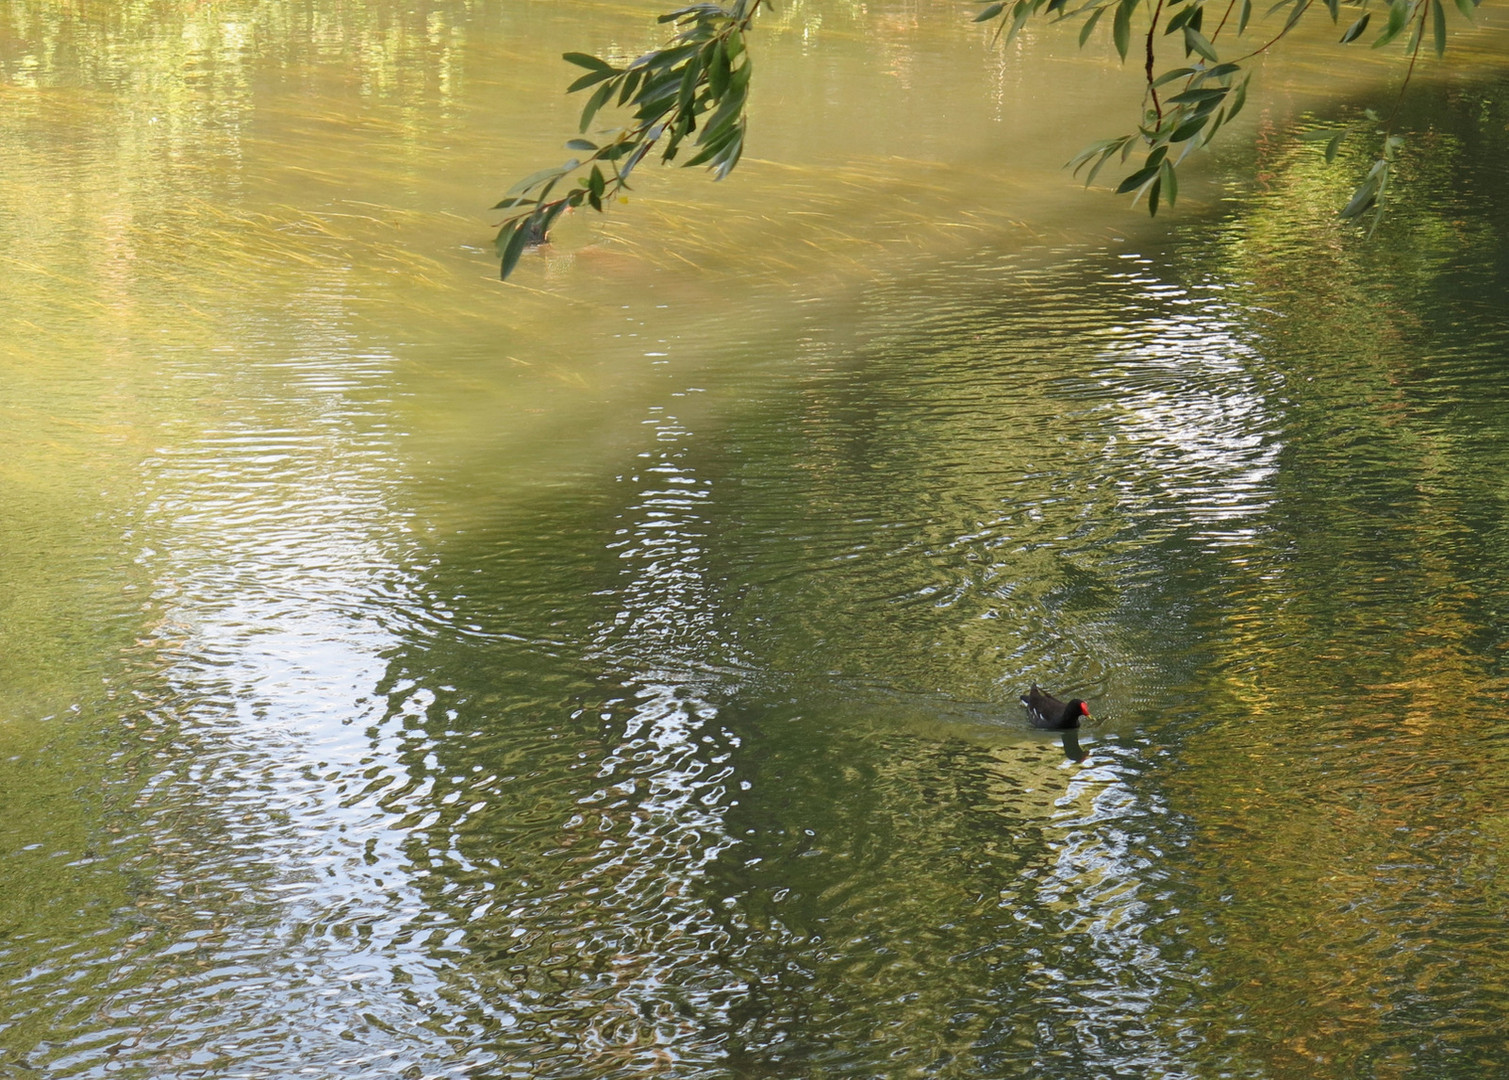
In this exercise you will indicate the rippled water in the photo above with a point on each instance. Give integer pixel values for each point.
(615, 674)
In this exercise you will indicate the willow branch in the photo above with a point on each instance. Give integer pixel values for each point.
(1151, 89)
(1222, 24)
(1409, 71)
(1274, 40)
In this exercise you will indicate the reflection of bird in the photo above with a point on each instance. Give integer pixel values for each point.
(1049, 712)
(1072, 750)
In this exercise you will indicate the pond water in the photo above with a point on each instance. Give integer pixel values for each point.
(613, 673)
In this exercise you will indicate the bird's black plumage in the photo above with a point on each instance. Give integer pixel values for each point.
(1050, 713)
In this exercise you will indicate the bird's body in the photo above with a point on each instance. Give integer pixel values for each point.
(1052, 714)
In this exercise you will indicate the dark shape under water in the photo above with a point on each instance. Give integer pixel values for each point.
(1072, 750)
(1050, 713)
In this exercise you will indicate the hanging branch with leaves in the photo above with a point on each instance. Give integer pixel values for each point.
(1211, 91)
(693, 88)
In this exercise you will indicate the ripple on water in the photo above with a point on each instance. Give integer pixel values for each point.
(706, 759)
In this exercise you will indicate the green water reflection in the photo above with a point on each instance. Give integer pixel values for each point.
(403, 674)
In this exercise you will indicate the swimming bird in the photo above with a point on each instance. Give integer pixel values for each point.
(1049, 712)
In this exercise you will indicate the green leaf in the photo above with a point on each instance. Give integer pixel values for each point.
(665, 59)
(595, 102)
(554, 180)
(712, 147)
(990, 12)
(1383, 182)
(1170, 180)
(1137, 179)
(1210, 132)
(675, 132)
(1170, 76)
(1121, 29)
(1205, 108)
(730, 157)
(1364, 197)
(1469, 9)
(1334, 145)
(1355, 30)
(1398, 12)
(510, 249)
(740, 77)
(718, 72)
(535, 179)
(659, 90)
(688, 86)
(589, 79)
(1238, 99)
(1438, 26)
(630, 84)
(1197, 41)
(728, 111)
(1084, 32)
(1090, 176)
(1188, 130)
(1245, 17)
(1220, 71)
(636, 157)
(1103, 147)
(580, 144)
(591, 63)
(505, 233)
(1202, 94)
(1152, 197)
(1019, 16)
(693, 11)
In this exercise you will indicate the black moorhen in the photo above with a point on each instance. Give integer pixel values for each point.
(1049, 712)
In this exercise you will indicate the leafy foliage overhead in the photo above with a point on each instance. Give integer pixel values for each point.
(691, 93)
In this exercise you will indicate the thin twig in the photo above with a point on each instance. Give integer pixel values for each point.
(1221, 25)
(1151, 89)
(1388, 125)
(1275, 39)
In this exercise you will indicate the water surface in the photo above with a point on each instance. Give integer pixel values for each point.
(614, 673)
